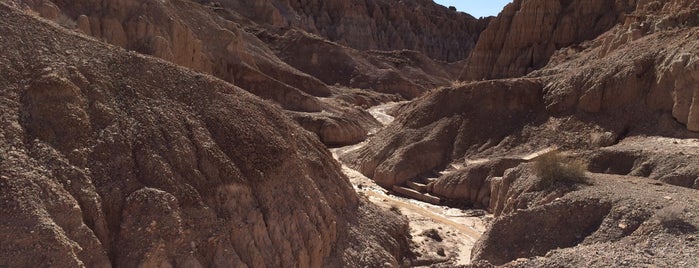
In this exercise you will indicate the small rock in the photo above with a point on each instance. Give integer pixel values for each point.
(441, 252)
(432, 233)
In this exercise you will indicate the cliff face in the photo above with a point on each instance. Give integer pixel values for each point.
(418, 25)
(405, 73)
(527, 32)
(189, 34)
(639, 78)
(110, 158)
(219, 39)
(623, 103)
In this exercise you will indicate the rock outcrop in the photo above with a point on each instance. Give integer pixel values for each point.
(110, 158)
(586, 100)
(622, 102)
(590, 225)
(405, 73)
(648, 63)
(219, 39)
(651, 157)
(195, 36)
(189, 34)
(527, 32)
(419, 25)
(446, 124)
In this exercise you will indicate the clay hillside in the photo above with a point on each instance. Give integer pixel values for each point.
(590, 159)
(278, 49)
(111, 158)
(348, 133)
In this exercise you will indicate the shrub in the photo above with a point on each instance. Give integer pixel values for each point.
(670, 217)
(66, 21)
(395, 209)
(553, 168)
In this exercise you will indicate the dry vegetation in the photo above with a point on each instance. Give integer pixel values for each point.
(554, 168)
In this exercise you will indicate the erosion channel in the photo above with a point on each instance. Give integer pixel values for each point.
(440, 234)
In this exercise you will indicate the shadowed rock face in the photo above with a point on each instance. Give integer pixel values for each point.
(405, 73)
(625, 90)
(110, 158)
(418, 25)
(219, 39)
(618, 86)
(527, 32)
(446, 124)
(191, 35)
(611, 221)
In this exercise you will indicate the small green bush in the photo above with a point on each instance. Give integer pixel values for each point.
(554, 169)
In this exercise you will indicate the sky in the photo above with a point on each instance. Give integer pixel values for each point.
(477, 8)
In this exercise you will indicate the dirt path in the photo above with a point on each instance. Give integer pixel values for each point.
(457, 229)
(425, 213)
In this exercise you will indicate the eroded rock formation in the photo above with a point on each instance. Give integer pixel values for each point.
(527, 32)
(418, 25)
(405, 73)
(112, 158)
(597, 224)
(445, 125)
(622, 102)
(218, 38)
(586, 100)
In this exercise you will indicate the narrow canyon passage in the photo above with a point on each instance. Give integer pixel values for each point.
(439, 233)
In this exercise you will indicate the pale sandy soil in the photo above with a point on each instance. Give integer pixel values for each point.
(459, 229)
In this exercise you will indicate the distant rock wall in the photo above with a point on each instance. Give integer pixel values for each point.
(418, 25)
(638, 78)
(527, 32)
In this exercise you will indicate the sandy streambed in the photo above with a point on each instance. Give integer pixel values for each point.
(440, 234)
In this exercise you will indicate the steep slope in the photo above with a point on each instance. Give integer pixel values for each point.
(218, 39)
(190, 35)
(612, 221)
(419, 25)
(622, 103)
(527, 32)
(110, 158)
(408, 74)
(627, 82)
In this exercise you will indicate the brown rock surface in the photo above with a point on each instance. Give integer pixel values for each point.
(446, 124)
(419, 25)
(215, 38)
(591, 99)
(109, 158)
(406, 73)
(672, 161)
(647, 63)
(592, 225)
(621, 102)
(527, 32)
(195, 36)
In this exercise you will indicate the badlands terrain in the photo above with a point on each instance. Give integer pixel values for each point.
(348, 133)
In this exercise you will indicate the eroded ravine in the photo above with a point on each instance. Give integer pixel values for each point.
(457, 229)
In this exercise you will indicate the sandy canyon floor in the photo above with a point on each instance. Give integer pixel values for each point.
(440, 234)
